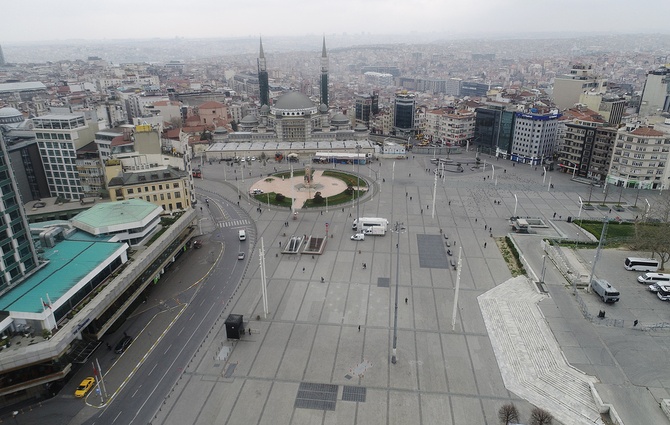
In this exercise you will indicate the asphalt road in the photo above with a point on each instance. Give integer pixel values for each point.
(166, 336)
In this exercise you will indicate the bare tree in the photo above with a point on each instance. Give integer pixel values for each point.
(540, 417)
(508, 413)
(653, 234)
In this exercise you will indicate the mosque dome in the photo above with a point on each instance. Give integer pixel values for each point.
(323, 108)
(249, 120)
(10, 115)
(339, 119)
(293, 100)
(265, 109)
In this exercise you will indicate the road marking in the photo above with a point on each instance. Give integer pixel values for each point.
(117, 416)
(168, 349)
(152, 369)
(138, 388)
(191, 316)
(182, 330)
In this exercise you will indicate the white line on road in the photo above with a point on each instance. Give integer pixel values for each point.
(152, 369)
(138, 388)
(117, 416)
(168, 349)
(191, 316)
(180, 331)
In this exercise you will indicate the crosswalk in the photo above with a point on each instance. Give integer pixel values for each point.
(232, 223)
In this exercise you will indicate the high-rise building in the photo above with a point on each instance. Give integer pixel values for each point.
(494, 130)
(59, 137)
(640, 159)
(534, 137)
(403, 113)
(324, 74)
(656, 92)
(19, 257)
(364, 109)
(568, 88)
(263, 83)
(586, 147)
(474, 89)
(453, 87)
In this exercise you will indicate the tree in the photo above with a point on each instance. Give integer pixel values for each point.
(540, 417)
(349, 190)
(508, 413)
(653, 233)
(318, 199)
(279, 197)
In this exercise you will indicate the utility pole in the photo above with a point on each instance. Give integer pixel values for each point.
(398, 229)
(597, 256)
(264, 283)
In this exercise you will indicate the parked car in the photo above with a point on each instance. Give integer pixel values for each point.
(358, 237)
(653, 287)
(240, 256)
(123, 344)
(84, 387)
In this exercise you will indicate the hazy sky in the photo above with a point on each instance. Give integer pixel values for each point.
(53, 20)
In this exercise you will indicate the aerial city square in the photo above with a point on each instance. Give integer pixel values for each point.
(353, 213)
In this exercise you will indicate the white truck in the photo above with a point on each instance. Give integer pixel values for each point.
(375, 231)
(371, 222)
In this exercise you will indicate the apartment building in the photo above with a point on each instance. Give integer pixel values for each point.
(640, 159)
(454, 128)
(534, 137)
(167, 187)
(568, 88)
(58, 138)
(587, 144)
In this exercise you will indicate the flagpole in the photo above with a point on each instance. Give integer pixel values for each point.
(102, 381)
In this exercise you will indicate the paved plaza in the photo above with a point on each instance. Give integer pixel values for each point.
(322, 354)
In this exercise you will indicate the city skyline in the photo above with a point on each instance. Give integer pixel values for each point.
(168, 19)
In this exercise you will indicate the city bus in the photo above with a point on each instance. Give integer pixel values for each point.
(641, 264)
(380, 224)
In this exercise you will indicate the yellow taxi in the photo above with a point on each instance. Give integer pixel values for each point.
(84, 387)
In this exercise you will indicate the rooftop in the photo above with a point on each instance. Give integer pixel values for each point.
(69, 262)
(103, 217)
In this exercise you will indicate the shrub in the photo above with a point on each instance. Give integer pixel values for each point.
(279, 197)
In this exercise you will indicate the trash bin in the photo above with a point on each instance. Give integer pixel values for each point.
(569, 219)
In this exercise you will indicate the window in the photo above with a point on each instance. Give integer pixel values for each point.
(177, 195)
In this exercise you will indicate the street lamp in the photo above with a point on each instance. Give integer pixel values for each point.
(398, 229)
(581, 204)
(516, 202)
(358, 185)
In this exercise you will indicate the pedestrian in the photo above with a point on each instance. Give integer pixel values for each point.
(505, 171)
(303, 270)
(249, 331)
(321, 212)
(405, 194)
(554, 215)
(322, 279)
(410, 198)
(279, 244)
(349, 214)
(610, 211)
(485, 226)
(475, 220)
(109, 347)
(421, 210)
(405, 300)
(484, 244)
(359, 328)
(560, 217)
(635, 322)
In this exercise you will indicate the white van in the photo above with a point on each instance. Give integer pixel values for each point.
(606, 292)
(649, 278)
(242, 235)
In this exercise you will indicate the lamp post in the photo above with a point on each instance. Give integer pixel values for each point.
(358, 184)
(581, 204)
(516, 202)
(398, 229)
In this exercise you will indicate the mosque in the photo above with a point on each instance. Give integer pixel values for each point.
(292, 126)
